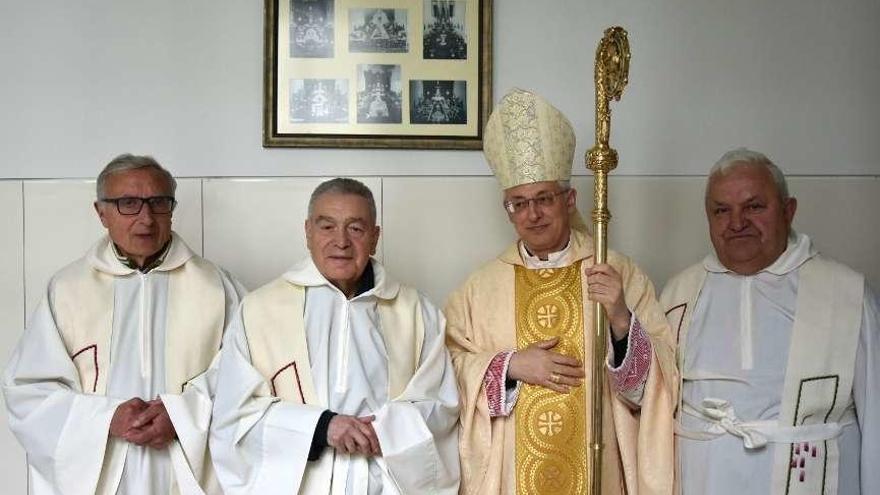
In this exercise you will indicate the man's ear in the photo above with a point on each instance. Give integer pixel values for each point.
(99, 209)
(307, 228)
(571, 198)
(377, 232)
(790, 208)
(509, 215)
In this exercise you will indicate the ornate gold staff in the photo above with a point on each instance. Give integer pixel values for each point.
(611, 75)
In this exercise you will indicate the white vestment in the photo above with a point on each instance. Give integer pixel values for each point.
(735, 346)
(340, 361)
(156, 333)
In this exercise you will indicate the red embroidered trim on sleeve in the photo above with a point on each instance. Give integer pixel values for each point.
(493, 381)
(633, 371)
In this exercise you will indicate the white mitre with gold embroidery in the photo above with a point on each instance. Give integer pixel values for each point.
(528, 140)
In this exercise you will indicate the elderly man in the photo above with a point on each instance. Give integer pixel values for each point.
(334, 378)
(518, 331)
(778, 348)
(106, 390)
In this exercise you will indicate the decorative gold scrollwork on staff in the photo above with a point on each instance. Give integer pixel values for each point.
(611, 76)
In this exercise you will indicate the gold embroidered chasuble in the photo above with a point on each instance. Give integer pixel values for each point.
(551, 454)
(483, 319)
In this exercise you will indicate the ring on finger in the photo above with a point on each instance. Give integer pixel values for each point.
(554, 378)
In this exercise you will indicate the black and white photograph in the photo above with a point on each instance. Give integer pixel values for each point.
(438, 102)
(412, 74)
(379, 94)
(378, 31)
(311, 28)
(319, 100)
(445, 36)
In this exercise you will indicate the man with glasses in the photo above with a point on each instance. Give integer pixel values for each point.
(107, 390)
(519, 335)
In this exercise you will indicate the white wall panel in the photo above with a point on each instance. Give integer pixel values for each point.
(11, 266)
(254, 227)
(842, 216)
(12, 459)
(657, 221)
(61, 225)
(438, 231)
(187, 219)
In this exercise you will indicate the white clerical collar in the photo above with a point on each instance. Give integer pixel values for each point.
(799, 249)
(103, 257)
(306, 274)
(554, 260)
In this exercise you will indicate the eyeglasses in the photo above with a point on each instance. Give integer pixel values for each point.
(543, 200)
(158, 205)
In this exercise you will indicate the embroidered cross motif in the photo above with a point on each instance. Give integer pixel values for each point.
(551, 477)
(547, 315)
(549, 423)
(802, 452)
(551, 453)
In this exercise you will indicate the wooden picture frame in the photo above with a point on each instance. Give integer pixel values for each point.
(377, 74)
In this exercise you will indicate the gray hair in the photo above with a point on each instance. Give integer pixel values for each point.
(126, 162)
(342, 185)
(744, 157)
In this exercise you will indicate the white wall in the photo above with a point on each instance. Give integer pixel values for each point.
(83, 81)
(12, 462)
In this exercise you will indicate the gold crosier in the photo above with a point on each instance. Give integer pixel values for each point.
(611, 76)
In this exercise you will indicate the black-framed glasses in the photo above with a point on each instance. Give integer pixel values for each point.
(542, 200)
(129, 205)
